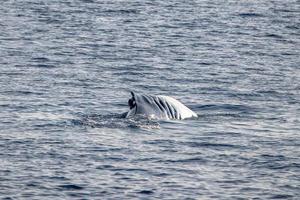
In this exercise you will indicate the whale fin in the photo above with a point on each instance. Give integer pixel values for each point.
(132, 94)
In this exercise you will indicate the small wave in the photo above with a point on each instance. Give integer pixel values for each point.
(294, 27)
(87, 1)
(122, 11)
(20, 92)
(188, 160)
(41, 59)
(250, 15)
(71, 187)
(147, 192)
(42, 66)
(273, 35)
(282, 196)
(213, 145)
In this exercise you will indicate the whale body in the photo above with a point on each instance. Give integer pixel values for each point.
(158, 107)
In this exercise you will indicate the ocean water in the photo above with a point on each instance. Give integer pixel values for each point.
(66, 70)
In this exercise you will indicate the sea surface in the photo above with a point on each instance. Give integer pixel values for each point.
(66, 71)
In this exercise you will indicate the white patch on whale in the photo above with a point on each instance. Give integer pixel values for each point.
(159, 107)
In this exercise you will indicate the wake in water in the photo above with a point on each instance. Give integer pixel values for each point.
(210, 113)
(116, 121)
(144, 112)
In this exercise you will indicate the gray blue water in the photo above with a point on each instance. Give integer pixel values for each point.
(66, 70)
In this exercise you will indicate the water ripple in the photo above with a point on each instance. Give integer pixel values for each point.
(67, 68)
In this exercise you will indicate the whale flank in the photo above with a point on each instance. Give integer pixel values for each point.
(159, 107)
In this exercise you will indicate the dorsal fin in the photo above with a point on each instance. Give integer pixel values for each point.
(132, 94)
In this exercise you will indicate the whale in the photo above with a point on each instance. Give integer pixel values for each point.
(158, 107)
